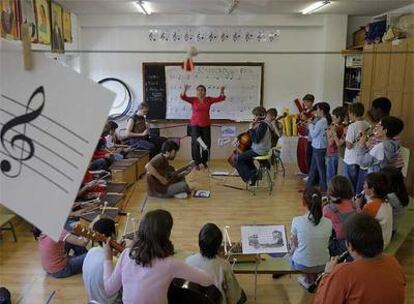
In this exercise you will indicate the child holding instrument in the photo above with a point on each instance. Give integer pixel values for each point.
(162, 179)
(261, 137)
(336, 139)
(146, 270)
(209, 240)
(357, 129)
(387, 149)
(317, 130)
(92, 269)
(54, 255)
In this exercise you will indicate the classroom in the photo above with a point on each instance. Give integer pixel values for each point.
(218, 152)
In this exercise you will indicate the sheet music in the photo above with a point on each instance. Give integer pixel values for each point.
(264, 239)
(50, 121)
(243, 89)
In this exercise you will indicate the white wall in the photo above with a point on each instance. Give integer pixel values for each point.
(286, 76)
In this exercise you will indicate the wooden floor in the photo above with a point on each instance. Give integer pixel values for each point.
(21, 272)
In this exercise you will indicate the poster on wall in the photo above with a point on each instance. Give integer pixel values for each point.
(28, 16)
(9, 19)
(67, 26)
(43, 20)
(58, 44)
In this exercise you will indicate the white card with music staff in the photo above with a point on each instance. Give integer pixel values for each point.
(50, 121)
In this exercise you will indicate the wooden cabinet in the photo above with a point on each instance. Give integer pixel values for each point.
(409, 68)
(407, 136)
(365, 97)
(397, 65)
(397, 102)
(389, 72)
(381, 66)
(367, 66)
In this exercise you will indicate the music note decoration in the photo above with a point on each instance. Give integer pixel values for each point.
(19, 146)
(5, 165)
(213, 35)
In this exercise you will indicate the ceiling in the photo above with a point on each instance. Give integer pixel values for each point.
(216, 7)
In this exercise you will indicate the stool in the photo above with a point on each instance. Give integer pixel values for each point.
(263, 171)
(276, 161)
(5, 219)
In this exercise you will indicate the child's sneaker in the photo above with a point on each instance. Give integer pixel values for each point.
(181, 195)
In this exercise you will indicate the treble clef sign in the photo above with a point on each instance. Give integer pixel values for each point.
(25, 154)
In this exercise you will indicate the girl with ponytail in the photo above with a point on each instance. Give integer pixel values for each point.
(309, 238)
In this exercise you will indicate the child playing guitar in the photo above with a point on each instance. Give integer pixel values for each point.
(162, 179)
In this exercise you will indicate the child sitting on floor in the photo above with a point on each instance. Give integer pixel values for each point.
(219, 269)
(310, 238)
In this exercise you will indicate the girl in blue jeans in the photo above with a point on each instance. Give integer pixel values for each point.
(317, 130)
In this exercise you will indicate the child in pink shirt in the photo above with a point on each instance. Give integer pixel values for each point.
(145, 270)
(54, 255)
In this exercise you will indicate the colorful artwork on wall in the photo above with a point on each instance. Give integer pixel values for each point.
(43, 21)
(58, 43)
(67, 26)
(9, 19)
(28, 16)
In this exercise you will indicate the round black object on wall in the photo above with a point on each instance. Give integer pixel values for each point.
(123, 100)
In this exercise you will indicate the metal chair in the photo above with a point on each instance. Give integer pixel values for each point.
(277, 161)
(263, 172)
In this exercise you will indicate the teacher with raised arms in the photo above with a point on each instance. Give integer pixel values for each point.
(200, 122)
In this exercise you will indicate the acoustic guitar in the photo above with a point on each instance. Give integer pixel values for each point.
(182, 291)
(86, 232)
(171, 174)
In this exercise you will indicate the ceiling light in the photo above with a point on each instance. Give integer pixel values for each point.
(143, 7)
(232, 6)
(314, 7)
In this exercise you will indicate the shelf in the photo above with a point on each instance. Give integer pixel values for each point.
(353, 89)
(353, 67)
(357, 47)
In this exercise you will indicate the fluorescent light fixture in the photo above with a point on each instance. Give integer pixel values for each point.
(232, 6)
(314, 7)
(143, 7)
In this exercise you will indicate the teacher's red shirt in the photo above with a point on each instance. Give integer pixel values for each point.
(201, 109)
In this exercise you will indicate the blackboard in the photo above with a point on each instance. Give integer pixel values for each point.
(163, 82)
(155, 90)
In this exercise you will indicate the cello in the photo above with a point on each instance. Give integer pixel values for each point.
(244, 140)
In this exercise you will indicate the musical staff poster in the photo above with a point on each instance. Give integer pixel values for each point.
(243, 90)
(50, 120)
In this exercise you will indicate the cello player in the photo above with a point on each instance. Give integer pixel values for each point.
(261, 137)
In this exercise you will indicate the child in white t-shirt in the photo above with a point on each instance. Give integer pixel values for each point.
(354, 151)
